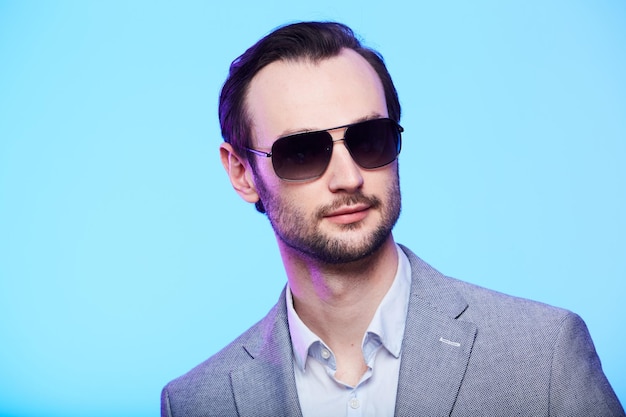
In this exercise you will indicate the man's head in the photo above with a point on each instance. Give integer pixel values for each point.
(304, 84)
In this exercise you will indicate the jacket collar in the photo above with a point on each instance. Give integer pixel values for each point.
(265, 385)
(436, 346)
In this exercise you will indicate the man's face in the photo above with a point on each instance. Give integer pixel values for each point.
(348, 212)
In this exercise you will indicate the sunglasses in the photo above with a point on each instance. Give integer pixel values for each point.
(305, 156)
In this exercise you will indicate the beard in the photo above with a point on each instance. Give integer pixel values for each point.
(303, 233)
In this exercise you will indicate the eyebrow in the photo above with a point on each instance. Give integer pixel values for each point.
(289, 132)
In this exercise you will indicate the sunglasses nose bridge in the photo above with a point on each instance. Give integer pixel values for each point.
(345, 144)
(340, 131)
(345, 152)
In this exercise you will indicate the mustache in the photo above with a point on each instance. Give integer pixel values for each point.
(348, 200)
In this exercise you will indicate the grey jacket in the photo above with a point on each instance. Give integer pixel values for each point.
(467, 351)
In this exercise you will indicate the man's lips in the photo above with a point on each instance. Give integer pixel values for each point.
(348, 214)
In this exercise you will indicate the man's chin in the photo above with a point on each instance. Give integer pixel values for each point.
(345, 251)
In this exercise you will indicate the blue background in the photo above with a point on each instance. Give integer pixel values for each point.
(126, 258)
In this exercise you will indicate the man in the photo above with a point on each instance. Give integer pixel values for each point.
(364, 327)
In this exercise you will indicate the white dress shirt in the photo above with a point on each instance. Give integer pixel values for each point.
(320, 393)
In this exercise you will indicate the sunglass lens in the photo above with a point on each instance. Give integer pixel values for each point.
(374, 143)
(302, 156)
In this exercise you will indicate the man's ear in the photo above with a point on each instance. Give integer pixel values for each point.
(239, 173)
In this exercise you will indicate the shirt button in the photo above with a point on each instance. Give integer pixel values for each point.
(325, 354)
(354, 403)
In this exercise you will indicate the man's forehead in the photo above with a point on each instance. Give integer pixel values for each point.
(304, 95)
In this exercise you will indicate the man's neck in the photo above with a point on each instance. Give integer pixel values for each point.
(337, 302)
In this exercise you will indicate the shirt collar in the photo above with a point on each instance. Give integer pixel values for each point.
(388, 322)
(390, 317)
(301, 336)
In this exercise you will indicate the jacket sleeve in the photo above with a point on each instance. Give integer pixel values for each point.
(578, 386)
(165, 404)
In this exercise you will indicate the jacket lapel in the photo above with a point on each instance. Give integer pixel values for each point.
(435, 354)
(436, 346)
(265, 386)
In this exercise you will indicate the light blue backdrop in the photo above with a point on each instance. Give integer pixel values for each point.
(126, 258)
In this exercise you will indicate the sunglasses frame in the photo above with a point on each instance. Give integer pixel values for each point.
(346, 127)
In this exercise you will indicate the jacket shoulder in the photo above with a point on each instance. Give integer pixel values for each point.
(526, 355)
(479, 304)
(206, 388)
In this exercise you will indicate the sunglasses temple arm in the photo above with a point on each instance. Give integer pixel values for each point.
(260, 153)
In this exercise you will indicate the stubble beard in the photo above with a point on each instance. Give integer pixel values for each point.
(303, 233)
